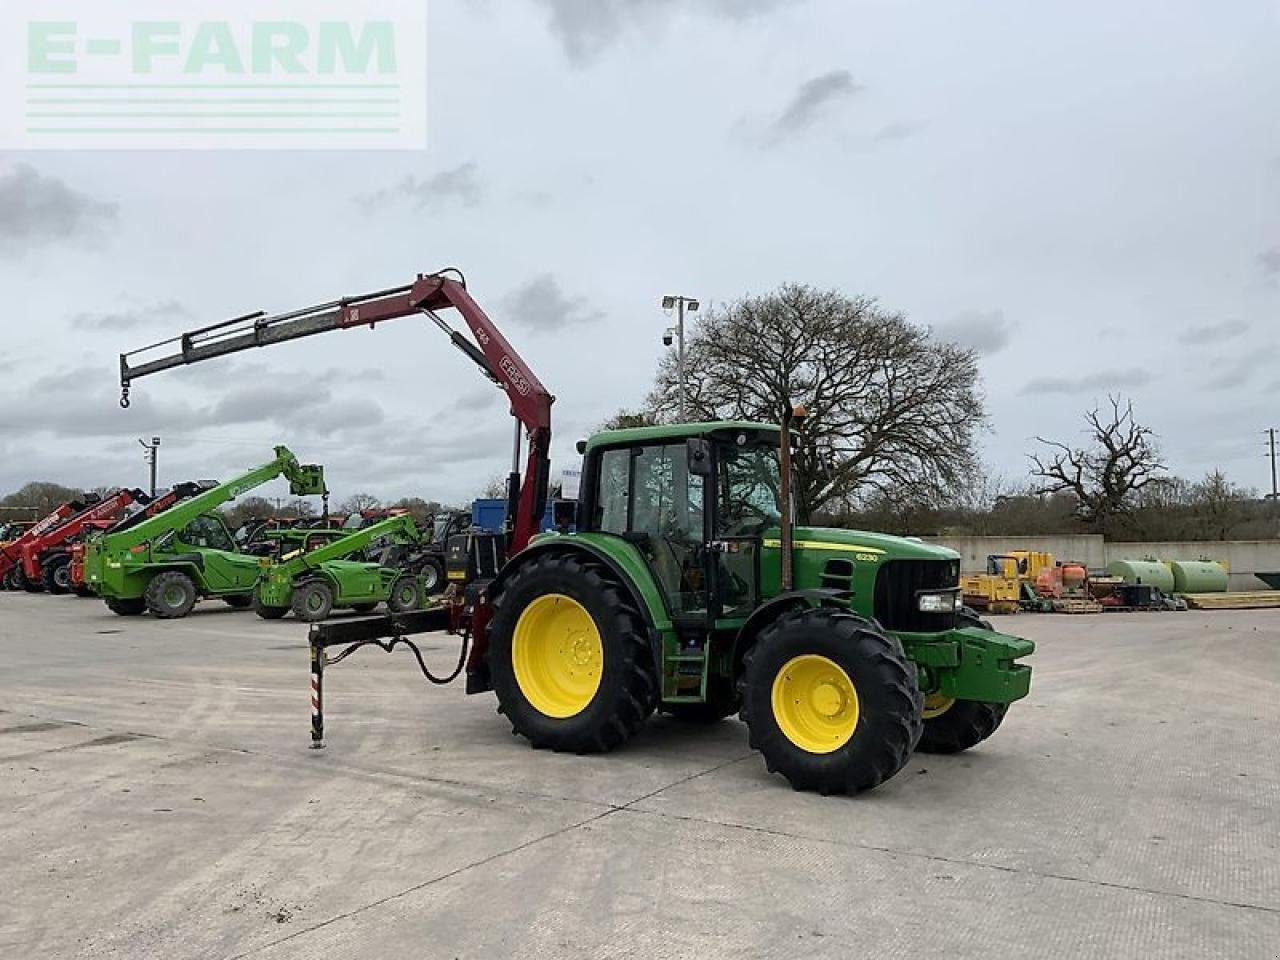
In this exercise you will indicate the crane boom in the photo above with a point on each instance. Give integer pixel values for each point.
(429, 293)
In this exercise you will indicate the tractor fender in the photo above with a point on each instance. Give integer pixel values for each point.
(564, 545)
(775, 607)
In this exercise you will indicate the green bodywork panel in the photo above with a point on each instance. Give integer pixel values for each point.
(120, 565)
(352, 581)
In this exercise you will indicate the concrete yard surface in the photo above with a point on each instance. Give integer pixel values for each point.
(158, 799)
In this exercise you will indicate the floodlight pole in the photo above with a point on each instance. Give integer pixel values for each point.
(152, 455)
(680, 302)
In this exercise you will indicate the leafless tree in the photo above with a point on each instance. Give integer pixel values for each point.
(891, 410)
(1105, 476)
(358, 502)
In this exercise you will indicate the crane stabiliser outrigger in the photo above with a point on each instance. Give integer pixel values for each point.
(491, 352)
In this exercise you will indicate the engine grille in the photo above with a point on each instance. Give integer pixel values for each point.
(897, 582)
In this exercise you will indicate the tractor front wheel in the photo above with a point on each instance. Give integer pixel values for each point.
(170, 595)
(433, 580)
(312, 600)
(405, 594)
(831, 701)
(953, 726)
(126, 606)
(569, 656)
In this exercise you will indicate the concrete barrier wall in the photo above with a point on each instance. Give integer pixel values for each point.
(1244, 558)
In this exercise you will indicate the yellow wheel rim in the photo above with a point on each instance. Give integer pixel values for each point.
(936, 704)
(815, 704)
(558, 655)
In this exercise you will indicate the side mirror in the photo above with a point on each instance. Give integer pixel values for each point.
(699, 453)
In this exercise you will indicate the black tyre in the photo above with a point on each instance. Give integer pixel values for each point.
(569, 657)
(722, 701)
(126, 606)
(433, 579)
(80, 590)
(831, 701)
(312, 600)
(22, 582)
(952, 726)
(170, 595)
(263, 610)
(239, 601)
(56, 575)
(405, 595)
(364, 607)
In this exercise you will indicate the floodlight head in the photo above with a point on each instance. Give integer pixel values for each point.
(692, 305)
(668, 303)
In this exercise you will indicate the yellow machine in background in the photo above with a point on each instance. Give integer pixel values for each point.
(1009, 583)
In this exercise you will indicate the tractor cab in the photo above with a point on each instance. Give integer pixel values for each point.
(698, 508)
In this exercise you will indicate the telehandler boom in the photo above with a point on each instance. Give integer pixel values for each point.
(11, 552)
(46, 560)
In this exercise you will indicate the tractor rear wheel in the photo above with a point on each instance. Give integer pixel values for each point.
(312, 600)
(953, 726)
(405, 594)
(569, 657)
(57, 575)
(239, 601)
(830, 700)
(126, 606)
(170, 595)
(722, 701)
(263, 610)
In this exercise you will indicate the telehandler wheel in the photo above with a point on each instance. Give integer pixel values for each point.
(312, 600)
(405, 594)
(830, 700)
(22, 582)
(432, 574)
(170, 595)
(952, 726)
(569, 657)
(239, 601)
(722, 701)
(126, 606)
(264, 611)
(57, 575)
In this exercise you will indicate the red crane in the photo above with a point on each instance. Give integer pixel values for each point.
(428, 294)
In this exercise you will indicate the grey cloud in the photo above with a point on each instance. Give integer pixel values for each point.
(36, 211)
(1213, 332)
(460, 185)
(811, 99)
(126, 319)
(586, 27)
(984, 332)
(896, 131)
(1269, 260)
(1231, 373)
(541, 305)
(1102, 380)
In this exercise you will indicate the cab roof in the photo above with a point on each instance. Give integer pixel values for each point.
(632, 436)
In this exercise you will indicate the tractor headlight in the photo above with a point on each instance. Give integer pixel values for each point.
(948, 602)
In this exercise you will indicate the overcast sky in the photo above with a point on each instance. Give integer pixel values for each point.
(1084, 192)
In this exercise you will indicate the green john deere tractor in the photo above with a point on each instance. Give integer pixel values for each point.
(313, 583)
(673, 595)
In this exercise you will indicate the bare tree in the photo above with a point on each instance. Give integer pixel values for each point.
(891, 410)
(358, 502)
(1106, 475)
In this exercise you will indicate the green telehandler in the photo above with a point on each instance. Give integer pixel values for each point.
(313, 583)
(167, 563)
(686, 587)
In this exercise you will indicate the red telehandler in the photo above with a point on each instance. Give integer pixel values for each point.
(11, 552)
(173, 496)
(44, 562)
